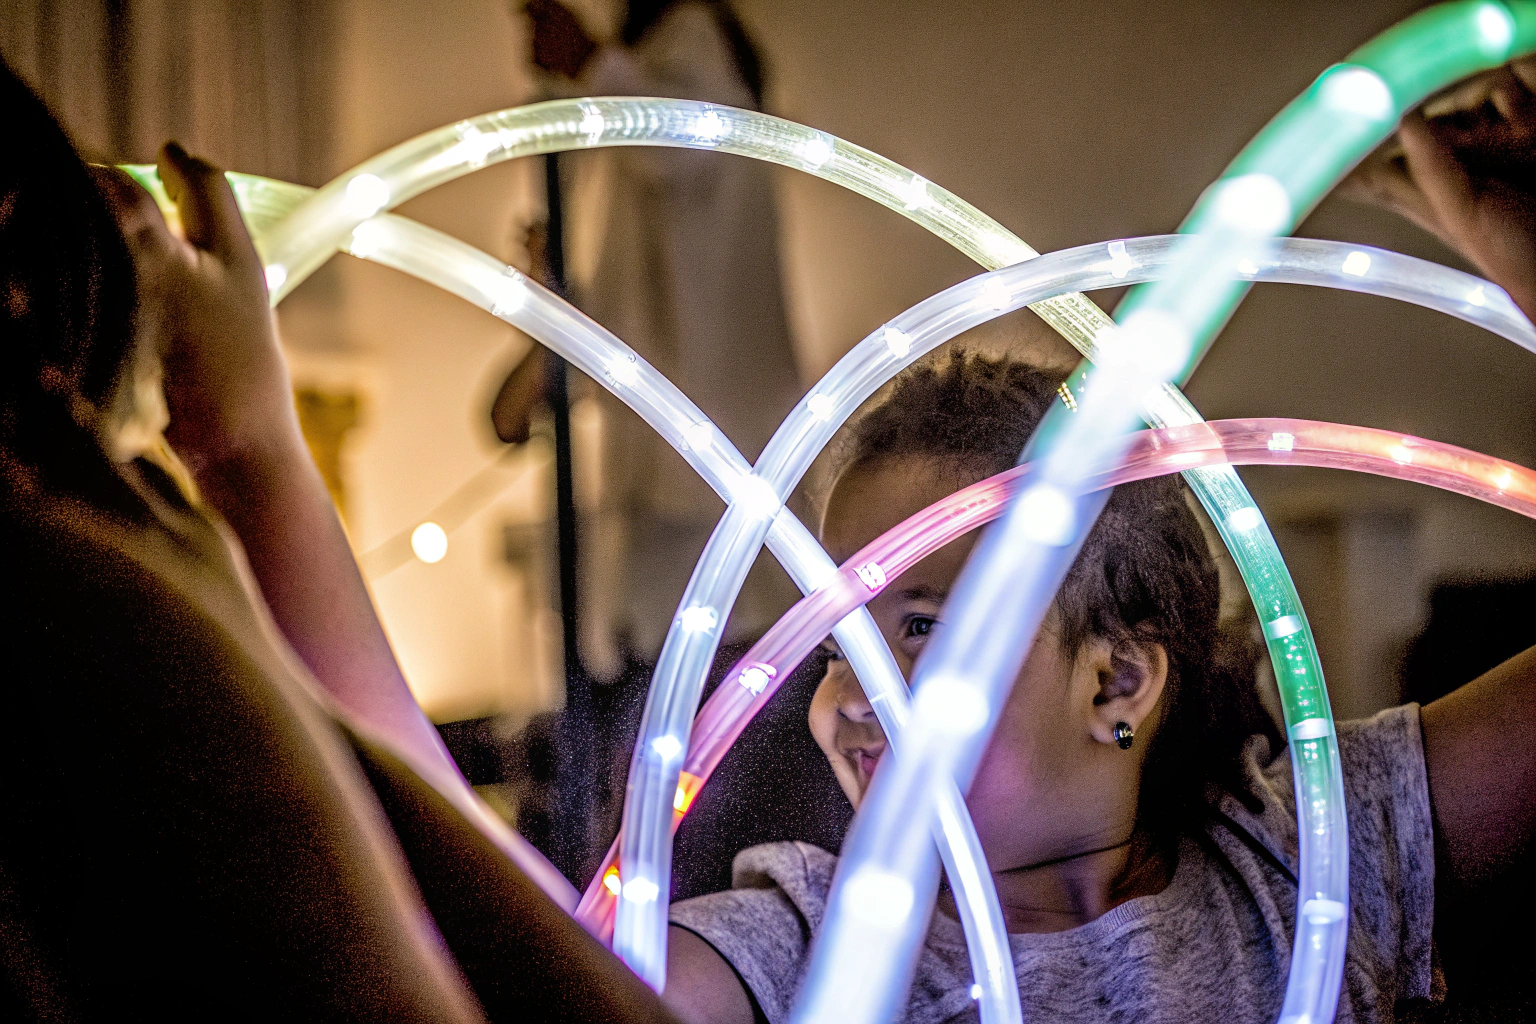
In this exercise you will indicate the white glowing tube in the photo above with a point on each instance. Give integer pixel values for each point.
(303, 240)
(440, 259)
(1000, 598)
(701, 126)
(1301, 261)
(501, 290)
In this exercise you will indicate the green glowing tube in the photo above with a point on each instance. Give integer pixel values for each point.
(1001, 597)
(296, 244)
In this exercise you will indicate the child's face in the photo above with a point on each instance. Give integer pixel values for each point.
(1051, 774)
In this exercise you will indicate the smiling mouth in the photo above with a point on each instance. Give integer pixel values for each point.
(865, 760)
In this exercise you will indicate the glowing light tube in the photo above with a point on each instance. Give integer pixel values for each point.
(1312, 262)
(629, 121)
(757, 676)
(484, 281)
(304, 239)
(1128, 261)
(865, 953)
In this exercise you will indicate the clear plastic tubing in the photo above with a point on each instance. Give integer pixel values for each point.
(306, 238)
(1303, 261)
(863, 957)
(1264, 442)
(484, 281)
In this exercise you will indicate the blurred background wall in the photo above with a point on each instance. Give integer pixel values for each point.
(1069, 123)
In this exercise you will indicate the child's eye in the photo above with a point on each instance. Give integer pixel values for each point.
(831, 652)
(919, 626)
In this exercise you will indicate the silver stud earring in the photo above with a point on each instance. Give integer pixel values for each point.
(1124, 735)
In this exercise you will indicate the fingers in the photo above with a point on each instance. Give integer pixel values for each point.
(1511, 97)
(1525, 70)
(1448, 192)
(209, 216)
(138, 217)
(1385, 183)
(1464, 96)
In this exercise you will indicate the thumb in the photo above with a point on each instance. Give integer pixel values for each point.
(210, 217)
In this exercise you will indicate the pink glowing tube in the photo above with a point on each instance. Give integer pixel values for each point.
(1286, 442)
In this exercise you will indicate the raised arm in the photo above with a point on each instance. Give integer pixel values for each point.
(1467, 174)
(234, 424)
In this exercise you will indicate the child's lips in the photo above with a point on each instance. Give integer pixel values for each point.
(866, 759)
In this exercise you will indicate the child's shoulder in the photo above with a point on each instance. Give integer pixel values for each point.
(763, 925)
(802, 870)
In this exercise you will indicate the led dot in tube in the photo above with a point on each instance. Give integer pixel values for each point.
(994, 295)
(611, 881)
(915, 192)
(1245, 519)
(367, 239)
(821, 574)
(1503, 479)
(592, 124)
(815, 152)
(509, 291)
(667, 747)
(1120, 262)
(756, 676)
(820, 406)
(1310, 729)
(1320, 911)
(872, 574)
(1153, 341)
(366, 195)
(1255, 203)
(710, 127)
(1356, 263)
(1247, 266)
(1284, 626)
(1048, 515)
(1006, 250)
(474, 145)
(1357, 90)
(1495, 27)
(953, 705)
(698, 435)
(898, 341)
(879, 897)
(277, 276)
(975, 991)
(429, 542)
(624, 371)
(640, 890)
(1477, 296)
(755, 495)
(1281, 441)
(1401, 454)
(699, 619)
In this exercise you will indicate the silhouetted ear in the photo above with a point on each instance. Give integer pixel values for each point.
(1131, 680)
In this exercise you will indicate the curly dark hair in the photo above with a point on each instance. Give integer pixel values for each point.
(1145, 574)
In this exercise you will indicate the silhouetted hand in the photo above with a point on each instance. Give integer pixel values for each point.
(205, 295)
(560, 45)
(1464, 169)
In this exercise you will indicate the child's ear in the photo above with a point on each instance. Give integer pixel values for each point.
(1131, 677)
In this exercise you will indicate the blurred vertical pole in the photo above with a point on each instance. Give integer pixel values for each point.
(575, 773)
(119, 78)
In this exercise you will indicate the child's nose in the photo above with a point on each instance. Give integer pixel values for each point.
(852, 704)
